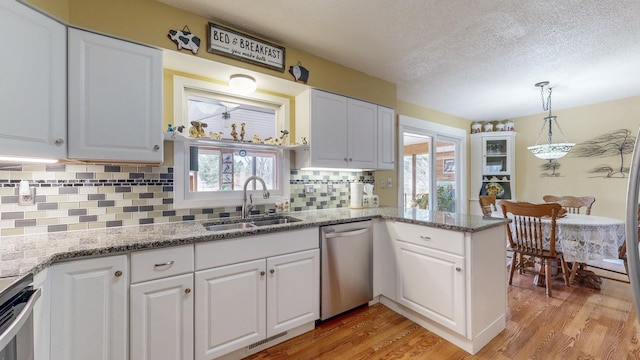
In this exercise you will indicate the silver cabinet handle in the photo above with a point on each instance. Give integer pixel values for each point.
(425, 237)
(59, 142)
(168, 263)
(156, 147)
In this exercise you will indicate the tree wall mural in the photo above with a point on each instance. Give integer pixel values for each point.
(613, 144)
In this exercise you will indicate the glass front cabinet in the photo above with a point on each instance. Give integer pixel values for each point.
(492, 167)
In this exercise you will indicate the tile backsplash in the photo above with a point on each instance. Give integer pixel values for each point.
(86, 196)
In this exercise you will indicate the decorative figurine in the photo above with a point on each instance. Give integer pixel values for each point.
(197, 130)
(256, 139)
(234, 133)
(215, 136)
(270, 141)
(241, 132)
(299, 72)
(304, 141)
(170, 128)
(284, 135)
(180, 128)
(185, 39)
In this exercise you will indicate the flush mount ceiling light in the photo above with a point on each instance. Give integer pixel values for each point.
(243, 84)
(550, 150)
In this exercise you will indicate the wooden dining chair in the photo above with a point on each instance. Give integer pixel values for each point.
(487, 204)
(572, 204)
(526, 235)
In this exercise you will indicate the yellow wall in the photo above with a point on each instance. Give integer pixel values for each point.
(579, 125)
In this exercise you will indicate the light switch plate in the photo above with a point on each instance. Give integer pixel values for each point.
(329, 188)
(389, 182)
(308, 189)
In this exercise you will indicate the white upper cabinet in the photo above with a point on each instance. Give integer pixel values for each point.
(342, 132)
(386, 138)
(33, 85)
(115, 99)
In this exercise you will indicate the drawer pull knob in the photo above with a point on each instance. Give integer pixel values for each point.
(156, 147)
(168, 263)
(187, 291)
(262, 273)
(118, 273)
(458, 269)
(425, 237)
(272, 271)
(59, 142)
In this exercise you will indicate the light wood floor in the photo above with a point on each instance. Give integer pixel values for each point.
(576, 323)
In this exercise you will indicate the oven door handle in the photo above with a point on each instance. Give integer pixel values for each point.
(14, 329)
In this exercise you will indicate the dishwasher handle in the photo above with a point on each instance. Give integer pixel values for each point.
(346, 233)
(19, 321)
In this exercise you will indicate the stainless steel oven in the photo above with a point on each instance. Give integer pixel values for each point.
(16, 320)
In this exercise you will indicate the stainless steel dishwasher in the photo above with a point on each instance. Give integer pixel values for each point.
(347, 267)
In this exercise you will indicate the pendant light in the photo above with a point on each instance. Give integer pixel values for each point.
(549, 150)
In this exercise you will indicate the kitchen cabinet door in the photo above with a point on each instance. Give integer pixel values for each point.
(432, 283)
(386, 138)
(162, 319)
(328, 130)
(115, 99)
(362, 129)
(293, 290)
(89, 302)
(230, 308)
(33, 89)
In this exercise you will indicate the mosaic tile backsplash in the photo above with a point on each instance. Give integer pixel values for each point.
(85, 196)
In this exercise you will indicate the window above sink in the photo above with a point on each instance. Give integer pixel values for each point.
(210, 172)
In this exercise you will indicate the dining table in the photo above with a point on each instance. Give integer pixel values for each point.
(583, 238)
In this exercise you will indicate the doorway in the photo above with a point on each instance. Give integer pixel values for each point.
(433, 173)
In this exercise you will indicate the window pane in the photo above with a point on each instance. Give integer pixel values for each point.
(445, 175)
(221, 169)
(220, 115)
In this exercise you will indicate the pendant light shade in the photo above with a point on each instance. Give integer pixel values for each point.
(549, 150)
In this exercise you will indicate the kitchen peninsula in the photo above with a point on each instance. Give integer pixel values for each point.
(444, 271)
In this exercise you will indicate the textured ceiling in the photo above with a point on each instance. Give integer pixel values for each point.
(476, 59)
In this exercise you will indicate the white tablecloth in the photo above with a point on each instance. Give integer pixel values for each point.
(587, 237)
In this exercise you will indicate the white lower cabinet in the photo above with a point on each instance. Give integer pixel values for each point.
(161, 323)
(241, 304)
(431, 283)
(90, 302)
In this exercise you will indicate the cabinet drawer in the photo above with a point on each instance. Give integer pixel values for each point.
(160, 263)
(439, 239)
(236, 250)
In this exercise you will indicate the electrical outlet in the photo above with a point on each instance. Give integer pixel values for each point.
(308, 189)
(329, 188)
(389, 182)
(383, 183)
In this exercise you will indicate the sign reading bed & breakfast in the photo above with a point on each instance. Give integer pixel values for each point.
(230, 43)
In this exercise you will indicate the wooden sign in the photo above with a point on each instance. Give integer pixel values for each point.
(230, 43)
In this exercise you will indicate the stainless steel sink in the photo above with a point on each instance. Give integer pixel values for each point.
(252, 223)
(275, 221)
(232, 226)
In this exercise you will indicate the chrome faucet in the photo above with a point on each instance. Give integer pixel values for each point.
(246, 208)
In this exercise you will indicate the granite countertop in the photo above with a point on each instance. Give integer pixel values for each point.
(29, 254)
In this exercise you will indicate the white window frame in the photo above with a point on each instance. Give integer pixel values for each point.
(183, 198)
(436, 131)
